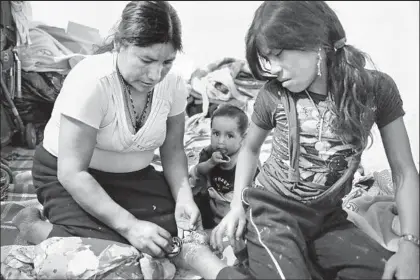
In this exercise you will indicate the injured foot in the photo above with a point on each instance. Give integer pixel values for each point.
(193, 245)
(31, 226)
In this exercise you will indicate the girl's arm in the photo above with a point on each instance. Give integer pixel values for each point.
(248, 161)
(404, 174)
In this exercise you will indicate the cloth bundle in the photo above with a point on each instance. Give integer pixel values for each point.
(46, 54)
(22, 14)
(228, 80)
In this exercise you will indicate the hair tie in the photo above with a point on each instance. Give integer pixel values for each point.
(340, 43)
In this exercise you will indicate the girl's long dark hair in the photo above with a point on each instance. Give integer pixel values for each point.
(145, 23)
(308, 25)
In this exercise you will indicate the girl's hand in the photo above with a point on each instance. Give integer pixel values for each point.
(404, 264)
(232, 225)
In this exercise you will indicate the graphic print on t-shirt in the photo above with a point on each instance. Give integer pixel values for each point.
(326, 165)
(222, 180)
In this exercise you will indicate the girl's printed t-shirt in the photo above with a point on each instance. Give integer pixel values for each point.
(318, 170)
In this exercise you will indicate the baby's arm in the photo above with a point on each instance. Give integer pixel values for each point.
(204, 168)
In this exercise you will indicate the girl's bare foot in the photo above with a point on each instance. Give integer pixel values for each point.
(31, 226)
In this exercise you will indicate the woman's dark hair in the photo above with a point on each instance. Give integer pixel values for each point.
(307, 26)
(227, 110)
(145, 23)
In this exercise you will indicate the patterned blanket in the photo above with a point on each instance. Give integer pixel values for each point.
(20, 193)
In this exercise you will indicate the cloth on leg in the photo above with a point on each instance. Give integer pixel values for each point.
(85, 258)
(278, 230)
(144, 193)
(72, 257)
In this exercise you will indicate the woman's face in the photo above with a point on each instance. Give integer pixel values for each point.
(144, 67)
(296, 70)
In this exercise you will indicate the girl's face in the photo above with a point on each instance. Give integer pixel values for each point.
(144, 67)
(225, 135)
(296, 70)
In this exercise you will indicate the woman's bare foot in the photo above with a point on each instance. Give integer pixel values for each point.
(31, 226)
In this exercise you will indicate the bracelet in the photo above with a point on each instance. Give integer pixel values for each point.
(410, 238)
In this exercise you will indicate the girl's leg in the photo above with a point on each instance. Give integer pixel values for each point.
(276, 246)
(345, 252)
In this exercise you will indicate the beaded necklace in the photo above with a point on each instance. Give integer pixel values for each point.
(136, 121)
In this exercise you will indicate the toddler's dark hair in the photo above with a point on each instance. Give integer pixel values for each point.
(227, 110)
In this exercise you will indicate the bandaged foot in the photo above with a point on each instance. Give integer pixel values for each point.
(31, 225)
(194, 244)
(197, 257)
(199, 237)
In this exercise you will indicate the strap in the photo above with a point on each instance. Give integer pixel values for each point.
(289, 104)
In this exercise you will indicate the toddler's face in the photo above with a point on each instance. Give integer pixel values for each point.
(225, 135)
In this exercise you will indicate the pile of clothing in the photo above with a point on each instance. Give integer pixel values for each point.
(228, 80)
(46, 55)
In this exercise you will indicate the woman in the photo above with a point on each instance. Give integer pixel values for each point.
(321, 102)
(92, 172)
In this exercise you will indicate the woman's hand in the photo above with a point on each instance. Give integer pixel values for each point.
(232, 225)
(187, 216)
(149, 238)
(404, 264)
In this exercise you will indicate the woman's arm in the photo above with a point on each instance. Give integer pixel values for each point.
(404, 174)
(76, 145)
(174, 160)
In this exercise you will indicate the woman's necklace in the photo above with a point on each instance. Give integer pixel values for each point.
(320, 145)
(136, 121)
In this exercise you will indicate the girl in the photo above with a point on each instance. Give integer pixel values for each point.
(321, 102)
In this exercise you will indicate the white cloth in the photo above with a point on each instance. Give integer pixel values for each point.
(92, 94)
(22, 15)
(375, 215)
